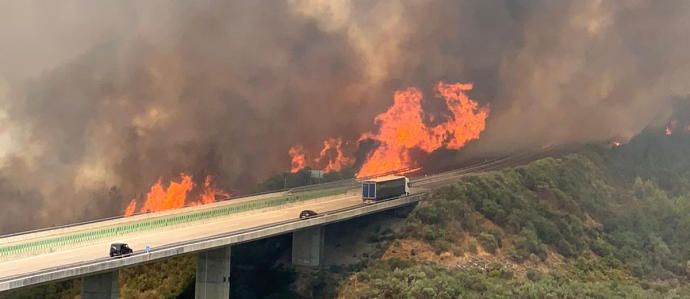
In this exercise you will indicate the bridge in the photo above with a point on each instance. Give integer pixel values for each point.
(209, 231)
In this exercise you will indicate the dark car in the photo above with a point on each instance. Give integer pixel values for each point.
(120, 249)
(307, 214)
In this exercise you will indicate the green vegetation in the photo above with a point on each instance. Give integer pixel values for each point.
(165, 279)
(60, 290)
(544, 204)
(657, 157)
(408, 279)
(618, 222)
(570, 206)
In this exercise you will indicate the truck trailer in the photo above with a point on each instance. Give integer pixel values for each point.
(385, 187)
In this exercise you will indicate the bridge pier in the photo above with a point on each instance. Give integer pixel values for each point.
(101, 286)
(307, 246)
(213, 274)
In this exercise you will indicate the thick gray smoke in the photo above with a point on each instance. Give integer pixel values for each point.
(100, 99)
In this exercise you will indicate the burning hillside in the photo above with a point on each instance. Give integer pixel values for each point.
(405, 128)
(679, 120)
(674, 126)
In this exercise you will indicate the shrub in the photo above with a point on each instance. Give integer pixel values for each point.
(441, 246)
(498, 235)
(533, 275)
(430, 215)
(600, 247)
(527, 243)
(488, 242)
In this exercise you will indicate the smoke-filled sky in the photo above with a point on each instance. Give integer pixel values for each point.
(98, 99)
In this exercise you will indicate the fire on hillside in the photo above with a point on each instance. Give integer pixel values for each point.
(403, 129)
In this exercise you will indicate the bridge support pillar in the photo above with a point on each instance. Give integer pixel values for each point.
(307, 246)
(213, 274)
(101, 286)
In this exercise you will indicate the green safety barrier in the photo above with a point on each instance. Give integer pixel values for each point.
(161, 222)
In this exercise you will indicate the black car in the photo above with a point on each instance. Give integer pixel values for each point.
(120, 249)
(307, 214)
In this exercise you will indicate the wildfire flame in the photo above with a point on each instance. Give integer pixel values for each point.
(402, 129)
(331, 157)
(131, 208)
(160, 198)
(298, 161)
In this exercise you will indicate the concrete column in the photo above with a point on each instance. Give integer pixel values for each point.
(307, 247)
(101, 286)
(213, 274)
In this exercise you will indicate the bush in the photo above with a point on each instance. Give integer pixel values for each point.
(430, 215)
(431, 233)
(565, 249)
(526, 244)
(441, 246)
(488, 242)
(601, 247)
(533, 275)
(498, 235)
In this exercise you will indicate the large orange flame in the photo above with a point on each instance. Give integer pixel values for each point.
(210, 192)
(175, 195)
(403, 128)
(297, 155)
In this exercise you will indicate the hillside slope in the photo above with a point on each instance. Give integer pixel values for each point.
(595, 224)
